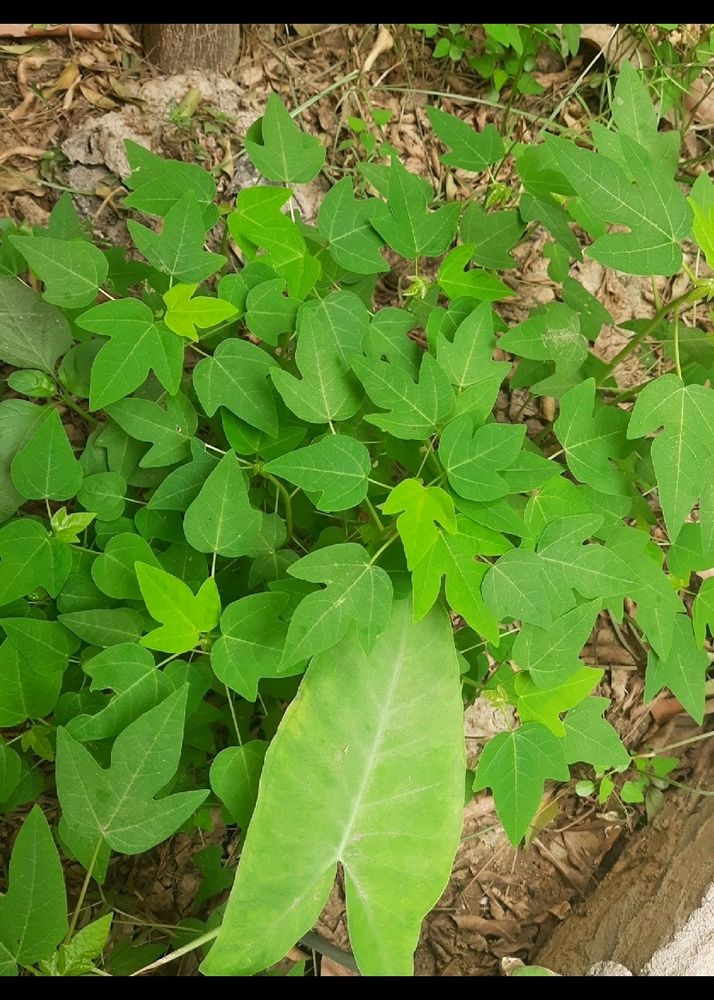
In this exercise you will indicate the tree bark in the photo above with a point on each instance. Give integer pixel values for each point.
(177, 47)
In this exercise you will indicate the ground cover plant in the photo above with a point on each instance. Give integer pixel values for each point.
(227, 490)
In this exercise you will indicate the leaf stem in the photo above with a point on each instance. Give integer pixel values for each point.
(374, 515)
(377, 554)
(677, 361)
(83, 892)
(229, 697)
(635, 341)
(287, 502)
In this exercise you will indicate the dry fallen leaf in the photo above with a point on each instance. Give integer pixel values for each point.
(97, 99)
(67, 79)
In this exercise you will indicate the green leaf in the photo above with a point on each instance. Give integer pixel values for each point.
(169, 430)
(178, 249)
(703, 611)
(157, 184)
(389, 775)
(345, 223)
(33, 911)
(131, 673)
(357, 592)
(270, 313)
(415, 409)
(221, 518)
(470, 150)
(30, 558)
(234, 775)
(251, 643)
(45, 466)
(551, 654)
(453, 556)
(406, 224)
(329, 331)
(280, 151)
(114, 571)
(590, 738)
(653, 208)
(545, 705)
(337, 468)
(701, 201)
(683, 453)
(118, 804)
(454, 281)
(186, 313)
(46, 646)
(683, 671)
(104, 495)
(474, 459)
(184, 616)
(421, 509)
(516, 765)
(236, 377)
(26, 694)
(137, 346)
(183, 485)
(10, 771)
(491, 234)
(33, 333)
(592, 436)
(104, 627)
(18, 421)
(76, 957)
(71, 270)
(550, 334)
(512, 588)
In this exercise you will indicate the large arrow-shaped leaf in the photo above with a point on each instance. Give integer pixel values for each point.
(370, 786)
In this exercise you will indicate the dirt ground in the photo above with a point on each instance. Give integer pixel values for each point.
(66, 106)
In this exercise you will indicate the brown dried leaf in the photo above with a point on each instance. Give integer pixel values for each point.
(67, 79)
(97, 99)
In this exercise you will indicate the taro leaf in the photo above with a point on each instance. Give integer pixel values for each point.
(45, 466)
(475, 459)
(591, 436)
(590, 738)
(470, 150)
(33, 911)
(653, 208)
(415, 410)
(357, 592)
(26, 694)
(104, 495)
(33, 334)
(491, 234)
(131, 673)
(236, 377)
(221, 518)
(337, 468)
(113, 570)
(251, 643)
(684, 452)
(389, 775)
(329, 331)
(71, 270)
(118, 804)
(344, 221)
(406, 224)
(234, 775)
(421, 509)
(169, 430)
(455, 281)
(683, 671)
(279, 150)
(178, 249)
(453, 556)
(551, 334)
(186, 313)
(157, 183)
(183, 614)
(551, 655)
(516, 765)
(31, 558)
(18, 421)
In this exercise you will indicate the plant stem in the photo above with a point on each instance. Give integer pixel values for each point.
(83, 892)
(229, 696)
(180, 952)
(635, 341)
(374, 515)
(386, 545)
(287, 502)
(677, 362)
(66, 401)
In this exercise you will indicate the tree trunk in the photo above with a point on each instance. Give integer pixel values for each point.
(177, 47)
